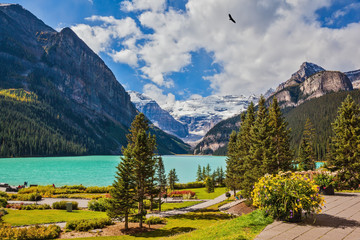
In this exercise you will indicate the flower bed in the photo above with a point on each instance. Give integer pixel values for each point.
(285, 196)
(184, 193)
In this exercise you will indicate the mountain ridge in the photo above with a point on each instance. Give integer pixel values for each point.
(71, 81)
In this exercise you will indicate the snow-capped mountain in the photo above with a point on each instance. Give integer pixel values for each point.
(202, 113)
(197, 115)
(158, 116)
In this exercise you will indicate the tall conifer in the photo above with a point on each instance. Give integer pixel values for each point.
(161, 178)
(281, 155)
(306, 157)
(123, 194)
(231, 159)
(346, 143)
(140, 150)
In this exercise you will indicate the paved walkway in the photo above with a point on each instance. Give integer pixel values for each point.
(340, 219)
(189, 209)
(82, 203)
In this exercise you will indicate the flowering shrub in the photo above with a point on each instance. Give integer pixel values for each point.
(325, 179)
(182, 193)
(284, 196)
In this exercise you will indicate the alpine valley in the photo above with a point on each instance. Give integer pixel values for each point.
(57, 97)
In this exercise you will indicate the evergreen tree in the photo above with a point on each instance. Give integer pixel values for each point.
(231, 160)
(346, 143)
(221, 177)
(199, 176)
(172, 178)
(243, 163)
(281, 155)
(259, 156)
(306, 157)
(208, 170)
(209, 184)
(161, 178)
(122, 194)
(140, 150)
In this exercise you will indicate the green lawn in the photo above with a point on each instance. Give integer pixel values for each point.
(29, 217)
(202, 194)
(203, 226)
(215, 207)
(171, 206)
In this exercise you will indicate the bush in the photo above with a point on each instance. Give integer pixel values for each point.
(98, 205)
(98, 189)
(325, 179)
(3, 202)
(284, 196)
(2, 213)
(28, 197)
(155, 220)
(35, 207)
(86, 225)
(30, 233)
(183, 194)
(62, 205)
(189, 185)
(78, 187)
(136, 218)
(4, 195)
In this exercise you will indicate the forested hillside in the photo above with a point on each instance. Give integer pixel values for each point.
(321, 112)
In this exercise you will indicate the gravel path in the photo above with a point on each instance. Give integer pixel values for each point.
(189, 209)
(82, 203)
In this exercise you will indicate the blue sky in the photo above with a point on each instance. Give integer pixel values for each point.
(172, 49)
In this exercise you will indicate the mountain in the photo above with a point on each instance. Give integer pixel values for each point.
(311, 81)
(306, 70)
(79, 95)
(307, 84)
(200, 114)
(354, 77)
(161, 118)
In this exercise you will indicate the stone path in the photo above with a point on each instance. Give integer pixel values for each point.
(189, 209)
(340, 219)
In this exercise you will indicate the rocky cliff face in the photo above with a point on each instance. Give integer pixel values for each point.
(354, 77)
(158, 116)
(306, 70)
(310, 82)
(68, 75)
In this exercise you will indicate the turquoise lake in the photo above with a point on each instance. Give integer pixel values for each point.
(91, 170)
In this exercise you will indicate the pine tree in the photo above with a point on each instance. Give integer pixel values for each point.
(281, 155)
(209, 184)
(259, 151)
(122, 194)
(140, 150)
(221, 177)
(161, 178)
(346, 143)
(172, 178)
(243, 163)
(208, 170)
(306, 157)
(231, 159)
(199, 176)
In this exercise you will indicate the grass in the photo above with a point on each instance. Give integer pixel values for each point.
(215, 207)
(171, 206)
(204, 226)
(202, 194)
(30, 217)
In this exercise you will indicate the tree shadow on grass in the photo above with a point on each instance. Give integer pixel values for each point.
(164, 232)
(325, 220)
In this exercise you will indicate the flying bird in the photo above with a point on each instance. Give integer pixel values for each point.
(231, 19)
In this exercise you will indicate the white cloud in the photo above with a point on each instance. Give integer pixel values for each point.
(100, 38)
(158, 95)
(138, 5)
(267, 44)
